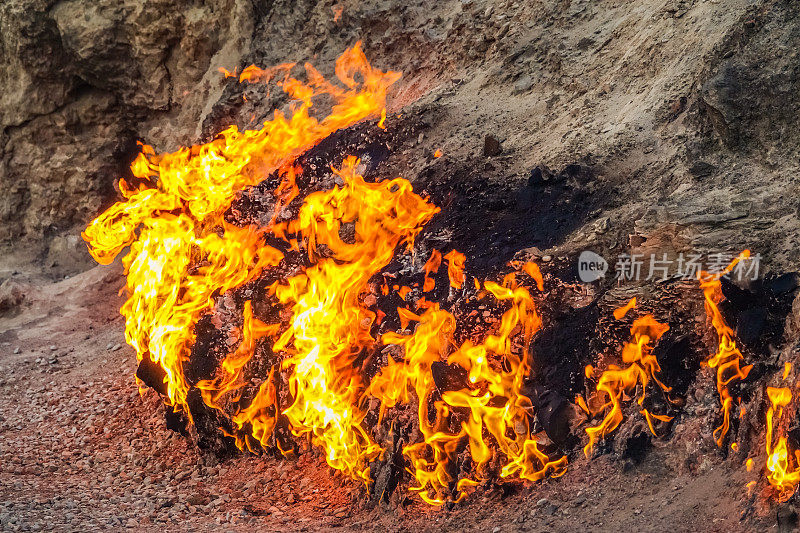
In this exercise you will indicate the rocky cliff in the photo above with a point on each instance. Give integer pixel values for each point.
(685, 110)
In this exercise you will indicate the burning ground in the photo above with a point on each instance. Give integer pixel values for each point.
(315, 323)
(112, 462)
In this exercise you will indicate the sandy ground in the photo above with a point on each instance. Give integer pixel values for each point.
(82, 450)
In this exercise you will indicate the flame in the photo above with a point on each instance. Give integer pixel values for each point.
(783, 477)
(728, 358)
(174, 220)
(330, 327)
(620, 313)
(184, 254)
(431, 267)
(493, 399)
(455, 268)
(642, 367)
(229, 378)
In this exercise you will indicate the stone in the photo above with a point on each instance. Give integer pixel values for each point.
(491, 146)
(77, 81)
(12, 294)
(523, 84)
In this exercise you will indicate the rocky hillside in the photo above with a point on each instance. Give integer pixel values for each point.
(685, 111)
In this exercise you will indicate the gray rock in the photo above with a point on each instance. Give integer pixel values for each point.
(523, 84)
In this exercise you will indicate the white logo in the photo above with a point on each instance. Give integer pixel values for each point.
(591, 266)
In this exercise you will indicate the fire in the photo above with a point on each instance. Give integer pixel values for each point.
(455, 268)
(783, 477)
(728, 358)
(642, 367)
(493, 398)
(184, 254)
(330, 327)
(431, 267)
(177, 210)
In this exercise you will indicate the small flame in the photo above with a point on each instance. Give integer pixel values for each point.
(431, 267)
(642, 367)
(620, 313)
(455, 268)
(728, 358)
(783, 477)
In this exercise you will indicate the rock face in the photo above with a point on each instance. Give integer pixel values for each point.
(751, 95)
(82, 80)
(685, 108)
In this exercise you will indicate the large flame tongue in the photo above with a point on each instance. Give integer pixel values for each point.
(173, 220)
(329, 327)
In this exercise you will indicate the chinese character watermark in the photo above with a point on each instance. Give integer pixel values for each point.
(637, 267)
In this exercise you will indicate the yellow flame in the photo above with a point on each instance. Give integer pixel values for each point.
(493, 399)
(728, 358)
(642, 367)
(783, 477)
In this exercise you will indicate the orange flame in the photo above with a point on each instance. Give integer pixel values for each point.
(642, 367)
(620, 313)
(455, 268)
(431, 267)
(728, 358)
(780, 473)
(330, 327)
(176, 220)
(493, 398)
